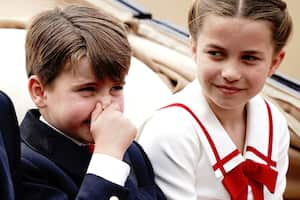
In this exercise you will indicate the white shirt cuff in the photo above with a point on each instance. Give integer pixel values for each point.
(109, 168)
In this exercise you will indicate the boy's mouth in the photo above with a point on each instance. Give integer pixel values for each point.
(87, 122)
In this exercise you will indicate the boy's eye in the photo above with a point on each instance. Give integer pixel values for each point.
(91, 89)
(87, 91)
(117, 89)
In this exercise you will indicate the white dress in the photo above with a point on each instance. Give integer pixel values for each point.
(190, 164)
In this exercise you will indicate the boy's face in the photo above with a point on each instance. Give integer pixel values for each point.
(72, 97)
(234, 58)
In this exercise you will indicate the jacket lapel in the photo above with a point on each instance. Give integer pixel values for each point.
(47, 141)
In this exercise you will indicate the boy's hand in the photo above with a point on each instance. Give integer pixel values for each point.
(112, 131)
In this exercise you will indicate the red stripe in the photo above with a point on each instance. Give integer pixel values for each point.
(220, 163)
(227, 158)
(268, 160)
(270, 147)
(210, 141)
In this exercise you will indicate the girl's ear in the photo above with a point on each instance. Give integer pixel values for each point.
(193, 47)
(36, 91)
(277, 60)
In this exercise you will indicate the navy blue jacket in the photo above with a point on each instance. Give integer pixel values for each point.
(53, 167)
(6, 183)
(9, 149)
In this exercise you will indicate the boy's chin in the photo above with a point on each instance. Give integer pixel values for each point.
(84, 135)
(86, 139)
(90, 140)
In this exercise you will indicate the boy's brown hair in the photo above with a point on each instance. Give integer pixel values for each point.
(60, 36)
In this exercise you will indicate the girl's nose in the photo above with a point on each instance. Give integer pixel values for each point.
(231, 73)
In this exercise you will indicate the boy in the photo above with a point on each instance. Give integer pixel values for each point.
(76, 60)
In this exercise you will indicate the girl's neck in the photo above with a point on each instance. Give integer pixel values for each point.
(230, 117)
(234, 122)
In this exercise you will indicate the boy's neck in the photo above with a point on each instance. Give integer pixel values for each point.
(59, 131)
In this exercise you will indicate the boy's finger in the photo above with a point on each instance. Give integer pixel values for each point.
(113, 106)
(97, 111)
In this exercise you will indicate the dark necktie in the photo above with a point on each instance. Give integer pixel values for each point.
(90, 148)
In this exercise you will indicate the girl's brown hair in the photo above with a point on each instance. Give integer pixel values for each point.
(273, 11)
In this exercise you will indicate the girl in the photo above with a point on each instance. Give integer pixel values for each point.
(218, 138)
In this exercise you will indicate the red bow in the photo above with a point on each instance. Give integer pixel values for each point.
(250, 173)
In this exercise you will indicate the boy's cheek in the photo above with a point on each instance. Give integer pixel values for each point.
(120, 102)
(122, 108)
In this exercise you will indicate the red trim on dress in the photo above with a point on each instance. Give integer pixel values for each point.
(246, 173)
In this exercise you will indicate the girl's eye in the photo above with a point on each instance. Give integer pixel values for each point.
(216, 54)
(250, 59)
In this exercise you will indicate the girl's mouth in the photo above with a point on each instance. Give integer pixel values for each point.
(228, 89)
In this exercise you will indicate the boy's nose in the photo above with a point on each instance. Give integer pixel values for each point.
(105, 101)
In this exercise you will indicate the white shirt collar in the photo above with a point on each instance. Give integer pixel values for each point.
(70, 138)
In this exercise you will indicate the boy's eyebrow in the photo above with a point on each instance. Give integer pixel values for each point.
(87, 83)
(93, 83)
(123, 82)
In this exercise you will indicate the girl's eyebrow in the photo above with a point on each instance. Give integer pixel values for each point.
(253, 52)
(214, 46)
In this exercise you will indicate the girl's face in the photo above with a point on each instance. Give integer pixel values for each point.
(72, 97)
(234, 58)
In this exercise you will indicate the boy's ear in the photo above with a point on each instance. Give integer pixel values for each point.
(193, 47)
(277, 60)
(36, 91)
